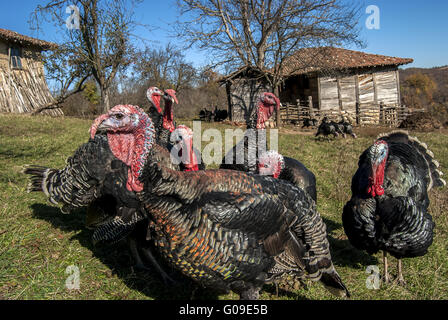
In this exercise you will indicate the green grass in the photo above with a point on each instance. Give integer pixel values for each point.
(38, 242)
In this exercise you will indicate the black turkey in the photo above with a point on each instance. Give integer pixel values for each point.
(95, 178)
(309, 122)
(272, 163)
(244, 156)
(389, 206)
(328, 127)
(347, 128)
(224, 229)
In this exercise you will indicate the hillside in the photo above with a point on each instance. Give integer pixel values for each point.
(438, 74)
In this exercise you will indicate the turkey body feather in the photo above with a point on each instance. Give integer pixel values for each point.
(233, 230)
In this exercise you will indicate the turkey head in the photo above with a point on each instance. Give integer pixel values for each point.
(131, 134)
(271, 163)
(154, 95)
(266, 105)
(182, 138)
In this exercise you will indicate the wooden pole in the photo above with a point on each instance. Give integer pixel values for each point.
(278, 118)
(381, 113)
(310, 105)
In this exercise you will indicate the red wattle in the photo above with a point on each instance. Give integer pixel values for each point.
(192, 164)
(156, 99)
(375, 186)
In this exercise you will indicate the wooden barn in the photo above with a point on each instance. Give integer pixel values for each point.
(22, 81)
(330, 81)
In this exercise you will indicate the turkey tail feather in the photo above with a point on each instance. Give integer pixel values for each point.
(332, 281)
(38, 179)
(403, 136)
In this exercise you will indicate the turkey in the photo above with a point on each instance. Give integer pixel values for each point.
(254, 142)
(94, 178)
(168, 124)
(154, 96)
(309, 122)
(347, 128)
(182, 140)
(328, 127)
(272, 163)
(219, 115)
(225, 229)
(388, 210)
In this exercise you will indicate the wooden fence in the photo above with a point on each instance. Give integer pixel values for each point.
(363, 114)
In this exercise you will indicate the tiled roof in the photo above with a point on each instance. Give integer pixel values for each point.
(15, 37)
(329, 58)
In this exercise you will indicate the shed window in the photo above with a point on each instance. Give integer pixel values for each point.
(16, 58)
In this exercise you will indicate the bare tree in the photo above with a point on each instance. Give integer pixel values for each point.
(66, 74)
(165, 68)
(262, 34)
(100, 47)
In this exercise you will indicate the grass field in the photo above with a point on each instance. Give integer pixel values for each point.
(38, 242)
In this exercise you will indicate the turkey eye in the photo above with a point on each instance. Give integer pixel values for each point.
(119, 116)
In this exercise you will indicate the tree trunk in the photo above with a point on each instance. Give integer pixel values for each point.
(105, 101)
(278, 119)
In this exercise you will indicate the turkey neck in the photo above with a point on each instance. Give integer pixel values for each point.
(192, 164)
(168, 116)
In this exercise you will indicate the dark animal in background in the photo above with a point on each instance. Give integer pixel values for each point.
(225, 229)
(388, 210)
(310, 123)
(206, 115)
(327, 127)
(220, 115)
(346, 128)
(217, 115)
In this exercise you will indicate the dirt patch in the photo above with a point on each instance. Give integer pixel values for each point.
(421, 121)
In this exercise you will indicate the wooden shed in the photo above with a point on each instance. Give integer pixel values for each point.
(327, 81)
(22, 81)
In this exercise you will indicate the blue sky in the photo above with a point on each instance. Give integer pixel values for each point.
(408, 28)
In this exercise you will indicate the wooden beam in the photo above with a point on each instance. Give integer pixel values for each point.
(357, 107)
(375, 89)
(229, 100)
(310, 106)
(318, 93)
(397, 76)
(339, 93)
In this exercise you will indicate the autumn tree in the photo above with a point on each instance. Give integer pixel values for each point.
(418, 90)
(165, 68)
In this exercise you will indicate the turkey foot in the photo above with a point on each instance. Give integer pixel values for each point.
(400, 279)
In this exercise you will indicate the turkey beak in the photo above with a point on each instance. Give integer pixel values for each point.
(108, 124)
(97, 125)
